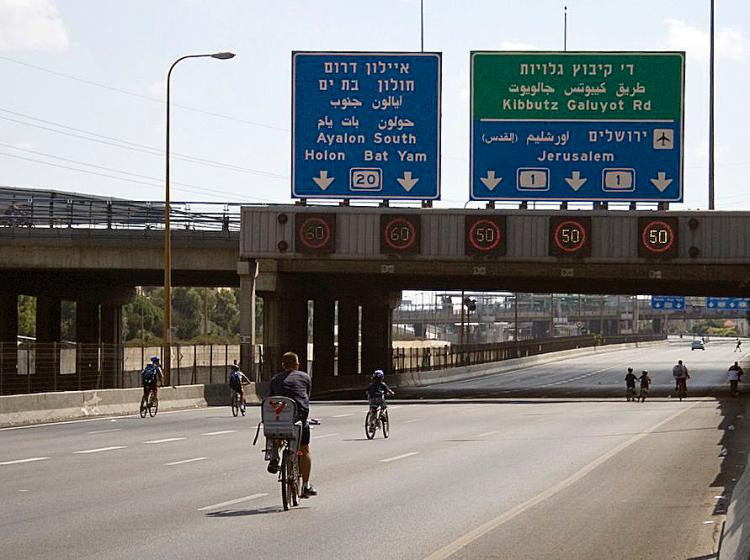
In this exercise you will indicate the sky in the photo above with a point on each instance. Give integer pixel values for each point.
(82, 84)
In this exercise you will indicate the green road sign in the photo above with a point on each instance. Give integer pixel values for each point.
(577, 125)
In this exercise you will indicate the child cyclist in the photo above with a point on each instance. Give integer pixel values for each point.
(377, 391)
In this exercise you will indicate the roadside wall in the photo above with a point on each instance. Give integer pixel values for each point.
(18, 410)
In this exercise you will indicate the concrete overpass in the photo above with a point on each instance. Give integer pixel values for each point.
(345, 259)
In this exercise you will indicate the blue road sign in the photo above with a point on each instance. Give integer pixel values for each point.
(667, 302)
(742, 304)
(577, 126)
(366, 125)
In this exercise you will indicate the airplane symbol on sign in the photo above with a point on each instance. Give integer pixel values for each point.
(663, 139)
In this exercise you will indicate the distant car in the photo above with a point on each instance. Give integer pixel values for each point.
(697, 345)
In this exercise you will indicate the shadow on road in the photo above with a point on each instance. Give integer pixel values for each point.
(249, 512)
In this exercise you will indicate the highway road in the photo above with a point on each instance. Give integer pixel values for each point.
(517, 478)
(602, 374)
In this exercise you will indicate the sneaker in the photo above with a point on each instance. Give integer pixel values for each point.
(273, 466)
(308, 491)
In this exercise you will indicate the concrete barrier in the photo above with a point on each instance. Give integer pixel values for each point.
(431, 377)
(36, 408)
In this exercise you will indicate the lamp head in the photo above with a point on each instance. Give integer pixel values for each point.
(223, 55)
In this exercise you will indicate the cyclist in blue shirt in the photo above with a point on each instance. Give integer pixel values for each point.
(151, 377)
(236, 380)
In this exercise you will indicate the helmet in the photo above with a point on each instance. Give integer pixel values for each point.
(630, 370)
(378, 374)
(645, 371)
(154, 359)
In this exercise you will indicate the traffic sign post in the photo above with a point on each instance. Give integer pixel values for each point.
(366, 125)
(587, 126)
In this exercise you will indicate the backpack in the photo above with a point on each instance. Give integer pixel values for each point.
(235, 379)
(149, 373)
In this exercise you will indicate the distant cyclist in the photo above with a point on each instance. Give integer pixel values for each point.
(378, 390)
(236, 380)
(151, 377)
(630, 380)
(645, 385)
(681, 375)
(738, 346)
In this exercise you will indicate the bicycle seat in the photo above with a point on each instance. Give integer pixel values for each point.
(278, 415)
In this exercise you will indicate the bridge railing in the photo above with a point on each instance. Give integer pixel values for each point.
(449, 356)
(29, 212)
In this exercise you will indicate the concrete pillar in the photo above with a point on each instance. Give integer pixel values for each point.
(284, 330)
(419, 330)
(87, 336)
(8, 342)
(248, 271)
(376, 334)
(48, 317)
(324, 314)
(111, 342)
(348, 337)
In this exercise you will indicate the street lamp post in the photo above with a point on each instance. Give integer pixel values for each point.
(167, 352)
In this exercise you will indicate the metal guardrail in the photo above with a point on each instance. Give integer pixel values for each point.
(426, 359)
(18, 211)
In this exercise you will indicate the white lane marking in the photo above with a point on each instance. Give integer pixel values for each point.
(166, 440)
(185, 461)
(99, 449)
(219, 433)
(232, 502)
(487, 433)
(453, 548)
(413, 420)
(340, 415)
(105, 431)
(23, 490)
(397, 457)
(29, 460)
(324, 436)
(395, 407)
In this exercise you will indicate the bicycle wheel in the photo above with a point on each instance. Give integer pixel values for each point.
(285, 472)
(370, 425)
(153, 406)
(242, 407)
(143, 409)
(235, 405)
(386, 423)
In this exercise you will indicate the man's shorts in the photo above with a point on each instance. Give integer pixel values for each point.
(305, 440)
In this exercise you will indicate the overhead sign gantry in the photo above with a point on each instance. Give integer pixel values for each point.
(589, 126)
(366, 125)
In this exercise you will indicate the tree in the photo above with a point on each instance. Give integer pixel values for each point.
(27, 316)
(226, 314)
(143, 319)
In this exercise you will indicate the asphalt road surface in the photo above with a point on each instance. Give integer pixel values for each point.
(520, 478)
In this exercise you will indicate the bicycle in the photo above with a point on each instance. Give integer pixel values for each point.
(238, 403)
(149, 404)
(283, 435)
(377, 418)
